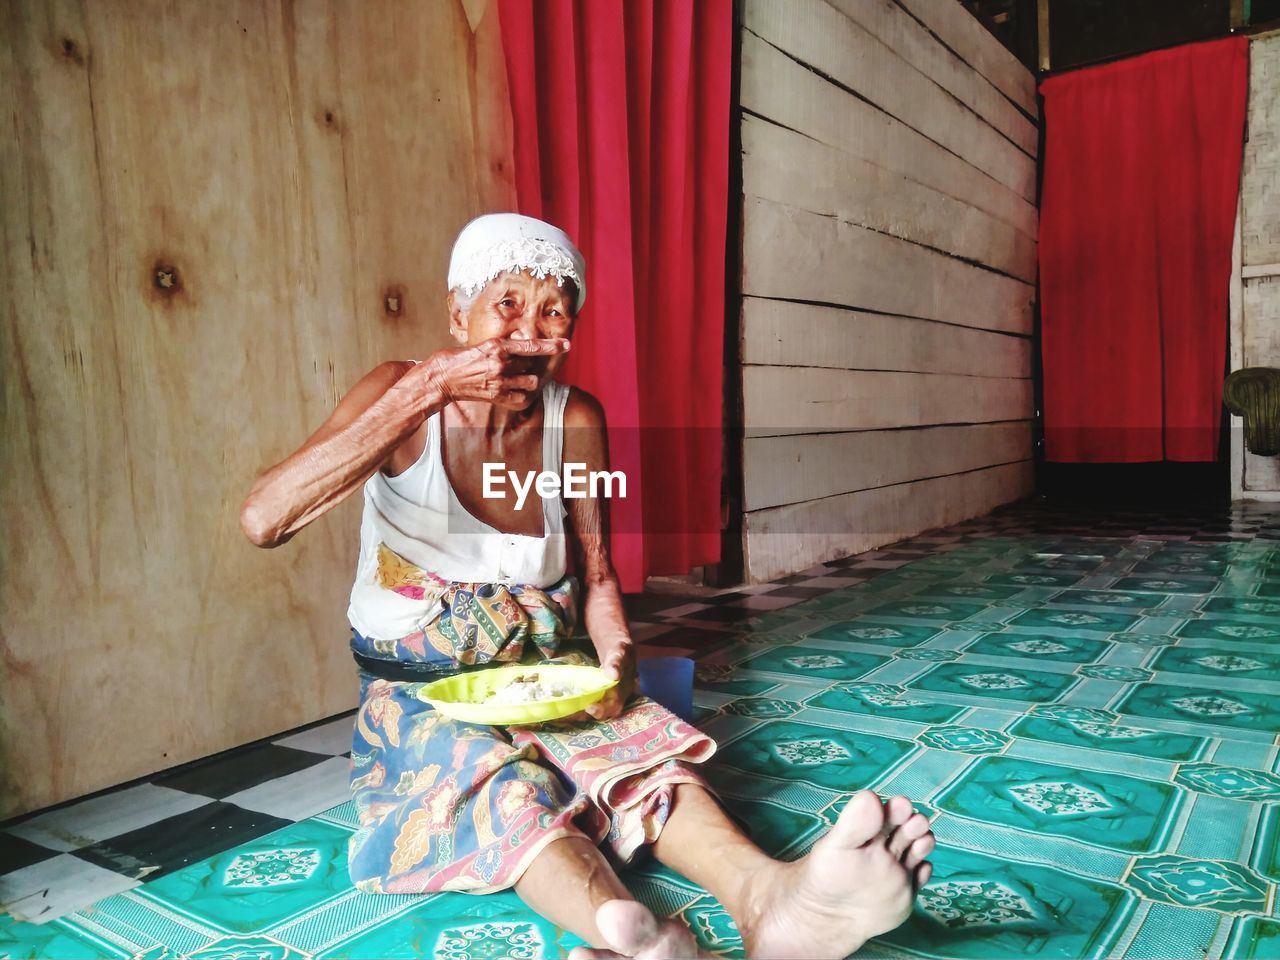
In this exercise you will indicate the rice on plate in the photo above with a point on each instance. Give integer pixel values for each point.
(531, 688)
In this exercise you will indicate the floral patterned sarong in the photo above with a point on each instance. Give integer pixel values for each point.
(478, 622)
(445, 805)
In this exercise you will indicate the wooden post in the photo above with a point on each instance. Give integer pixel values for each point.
(1042, 32)
(1239, 14)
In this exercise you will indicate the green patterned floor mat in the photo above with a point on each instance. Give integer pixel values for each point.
(1091, 725)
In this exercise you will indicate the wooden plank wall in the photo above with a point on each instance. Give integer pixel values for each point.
(889, 245)
(217, 217)
(1256, 325)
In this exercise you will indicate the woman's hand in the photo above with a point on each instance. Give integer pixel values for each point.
(619, 665)
(501, 371)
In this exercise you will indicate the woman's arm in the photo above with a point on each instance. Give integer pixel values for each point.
(586, 442)
(369, 423)
(379, 414)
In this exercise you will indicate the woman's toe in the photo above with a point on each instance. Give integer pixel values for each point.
(897, 811)
(861, 821)
(907, 834)
(922, 874)
(920, 848)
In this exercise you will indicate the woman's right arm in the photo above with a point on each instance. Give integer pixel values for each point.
(368, 424)
(379, 414)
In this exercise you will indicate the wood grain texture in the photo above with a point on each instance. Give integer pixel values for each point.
(1235, 352)
(790, 538)
(820, 36)
(220, 216)
(1261, 474)
(792, 254)
(1261, 307)
(787, 167)
(1256, 286)
(1260, 183)
(1261, 316)
(776, 87)
(779, 400)
(893, 26)
(889, 263)
(792, 469)
(779, 333)
(953, 25)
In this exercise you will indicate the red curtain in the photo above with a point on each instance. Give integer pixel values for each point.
(621, 125)
(1141, 175)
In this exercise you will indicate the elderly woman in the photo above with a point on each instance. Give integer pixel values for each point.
(449, 578)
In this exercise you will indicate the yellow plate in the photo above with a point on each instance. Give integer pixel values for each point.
(461, 697)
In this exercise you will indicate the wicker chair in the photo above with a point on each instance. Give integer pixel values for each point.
(1254, 394)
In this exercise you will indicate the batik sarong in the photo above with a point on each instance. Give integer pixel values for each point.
(445, 805)
(478, 622)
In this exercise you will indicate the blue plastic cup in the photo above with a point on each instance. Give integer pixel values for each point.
(669, 681)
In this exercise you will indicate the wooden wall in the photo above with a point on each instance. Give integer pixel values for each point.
(1255, 333)
(217, 216)
(889, 243)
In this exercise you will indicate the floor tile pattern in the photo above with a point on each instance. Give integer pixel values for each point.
(1085, 704)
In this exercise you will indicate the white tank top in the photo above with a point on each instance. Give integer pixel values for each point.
(418, 515)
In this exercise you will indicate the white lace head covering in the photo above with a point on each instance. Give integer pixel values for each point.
(500, 242)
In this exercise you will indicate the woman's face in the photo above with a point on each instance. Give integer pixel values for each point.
(519, 306)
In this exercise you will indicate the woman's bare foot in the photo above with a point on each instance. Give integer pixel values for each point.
(634, 932)
(857, 882)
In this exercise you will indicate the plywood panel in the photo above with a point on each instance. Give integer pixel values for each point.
(787, 167)
(783, 539)
(957, 28)
(210, 204)
(1261, 177)
(1261, 474)
(1256, 256)
(915, 44)
(792, 469)
(789, 253)
(1261, 308)
(822, 37)
(781, 333)
(808, 400)
(1261, 311)
(55, 371)
(780, 89)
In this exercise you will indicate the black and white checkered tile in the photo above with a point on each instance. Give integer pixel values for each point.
(61, 860)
